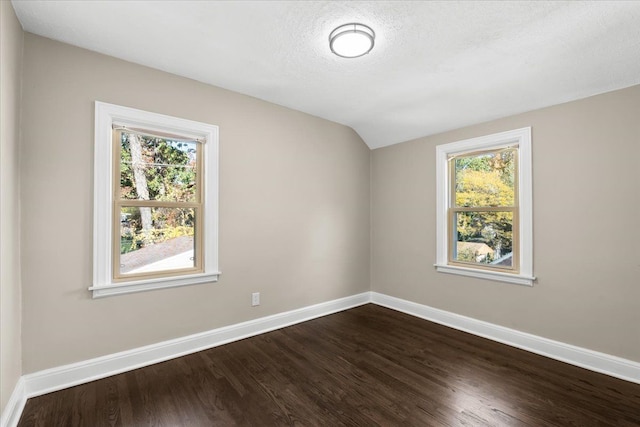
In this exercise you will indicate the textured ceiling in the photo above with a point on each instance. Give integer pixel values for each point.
(436, 65)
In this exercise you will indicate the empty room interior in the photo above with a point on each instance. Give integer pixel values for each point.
(320, 213)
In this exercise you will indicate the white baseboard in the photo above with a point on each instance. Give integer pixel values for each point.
(39, 383)
(15, 405)
(599, 362)
(42, 382)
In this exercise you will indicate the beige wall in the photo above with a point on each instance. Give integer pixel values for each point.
(11, 42)
(586, 234)
(294, 208)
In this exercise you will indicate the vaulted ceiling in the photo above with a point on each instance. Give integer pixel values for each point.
(436, 65)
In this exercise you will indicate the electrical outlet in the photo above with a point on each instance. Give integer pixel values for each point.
(255, 299)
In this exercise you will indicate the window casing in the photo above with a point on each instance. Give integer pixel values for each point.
(484, 207)
(155, 201)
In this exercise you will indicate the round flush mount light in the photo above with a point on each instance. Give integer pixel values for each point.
(351, 40)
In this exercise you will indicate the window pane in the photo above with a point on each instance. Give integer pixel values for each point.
(156, 239)
(157, 169)
(486, 179)
(484, 238)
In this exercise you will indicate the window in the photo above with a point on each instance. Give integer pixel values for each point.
(155, 201)
(484, 207)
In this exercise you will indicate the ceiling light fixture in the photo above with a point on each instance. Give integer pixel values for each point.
(351, 40)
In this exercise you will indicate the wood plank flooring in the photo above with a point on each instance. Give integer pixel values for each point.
(366, 366)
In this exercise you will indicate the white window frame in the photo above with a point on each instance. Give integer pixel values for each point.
(105, 116)
(521, 137)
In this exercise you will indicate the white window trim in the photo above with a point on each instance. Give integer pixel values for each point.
(522, 137)
(105, 115)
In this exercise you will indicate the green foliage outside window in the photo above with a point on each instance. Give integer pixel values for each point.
(481, 181)
(158, 169)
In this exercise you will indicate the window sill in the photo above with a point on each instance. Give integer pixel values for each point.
(121, 288)
(484, 274)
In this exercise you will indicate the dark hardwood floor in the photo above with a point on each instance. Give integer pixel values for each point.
(362, 367)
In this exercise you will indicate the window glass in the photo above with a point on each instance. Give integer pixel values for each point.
(167, 243)
(157, 169)
(484, 238)
(156, 222)
(486, 179)
(483, 208)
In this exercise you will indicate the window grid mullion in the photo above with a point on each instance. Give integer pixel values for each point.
(156, 203)
(485, 209)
